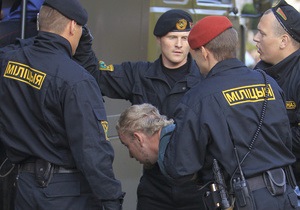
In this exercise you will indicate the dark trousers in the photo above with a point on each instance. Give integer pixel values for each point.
(156, 193)
(65, 191)
(7, 183)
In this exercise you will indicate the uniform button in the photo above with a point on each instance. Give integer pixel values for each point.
(183, 88)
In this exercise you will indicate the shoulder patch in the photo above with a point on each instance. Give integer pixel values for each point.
(290, 105)
(105, 128)
(104, 67)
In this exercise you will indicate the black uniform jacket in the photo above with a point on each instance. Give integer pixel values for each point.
(145, 82)
(287, 75)
(224, 108)
(51, 108)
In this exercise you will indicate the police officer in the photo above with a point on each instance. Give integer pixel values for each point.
(236, 116)
(52, 119)
(10, 30)
(278, 43)
(161, 83)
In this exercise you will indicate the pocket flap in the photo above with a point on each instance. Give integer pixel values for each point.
(60, 189)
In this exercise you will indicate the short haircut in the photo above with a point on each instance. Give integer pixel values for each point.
(224, 46)
(51, 20)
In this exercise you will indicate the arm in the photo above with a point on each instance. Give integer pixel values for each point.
(115, 81)
(86, 126)
(296, 138)
(84, 54)
(294, 117)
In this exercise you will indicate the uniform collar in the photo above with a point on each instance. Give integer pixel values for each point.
(280, 69)
(225, 65)
(53, 42)
(155, 71)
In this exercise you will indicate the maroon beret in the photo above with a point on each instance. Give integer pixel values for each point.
(207, 29)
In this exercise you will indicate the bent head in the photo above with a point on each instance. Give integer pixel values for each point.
(139, 129)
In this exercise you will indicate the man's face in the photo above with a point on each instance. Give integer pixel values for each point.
(174, 48)
(140, 148)
(267, 43)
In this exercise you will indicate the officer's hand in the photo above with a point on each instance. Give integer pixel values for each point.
(86, 35)
(84, 54)
(85, 42)
(112, 205)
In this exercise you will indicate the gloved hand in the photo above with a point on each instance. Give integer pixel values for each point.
(86, 36)
(112, 205)
(84, 54)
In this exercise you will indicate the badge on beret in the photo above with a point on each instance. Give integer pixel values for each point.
(288, 17)
(181, 24)
(281, 13)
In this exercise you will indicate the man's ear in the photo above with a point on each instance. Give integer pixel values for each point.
(72, 27)
(284, 40)
(138, 137)
(204, 52)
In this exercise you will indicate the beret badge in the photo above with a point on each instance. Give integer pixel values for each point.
(281, 13)
(181, 24)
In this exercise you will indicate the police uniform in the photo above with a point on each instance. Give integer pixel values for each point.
(224, 111)
(54, 126)
(146, 82)
(207, 120)
(287, 75)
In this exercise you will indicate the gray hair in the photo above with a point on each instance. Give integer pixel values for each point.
(144, 117)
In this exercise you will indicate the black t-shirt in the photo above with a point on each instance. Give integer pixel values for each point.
(174, 75)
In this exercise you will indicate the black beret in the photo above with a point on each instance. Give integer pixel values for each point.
(173, 20)
(289, 18)
(72, 9)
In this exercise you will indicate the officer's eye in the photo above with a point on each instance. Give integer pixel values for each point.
(172, 37)
(184, 38)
